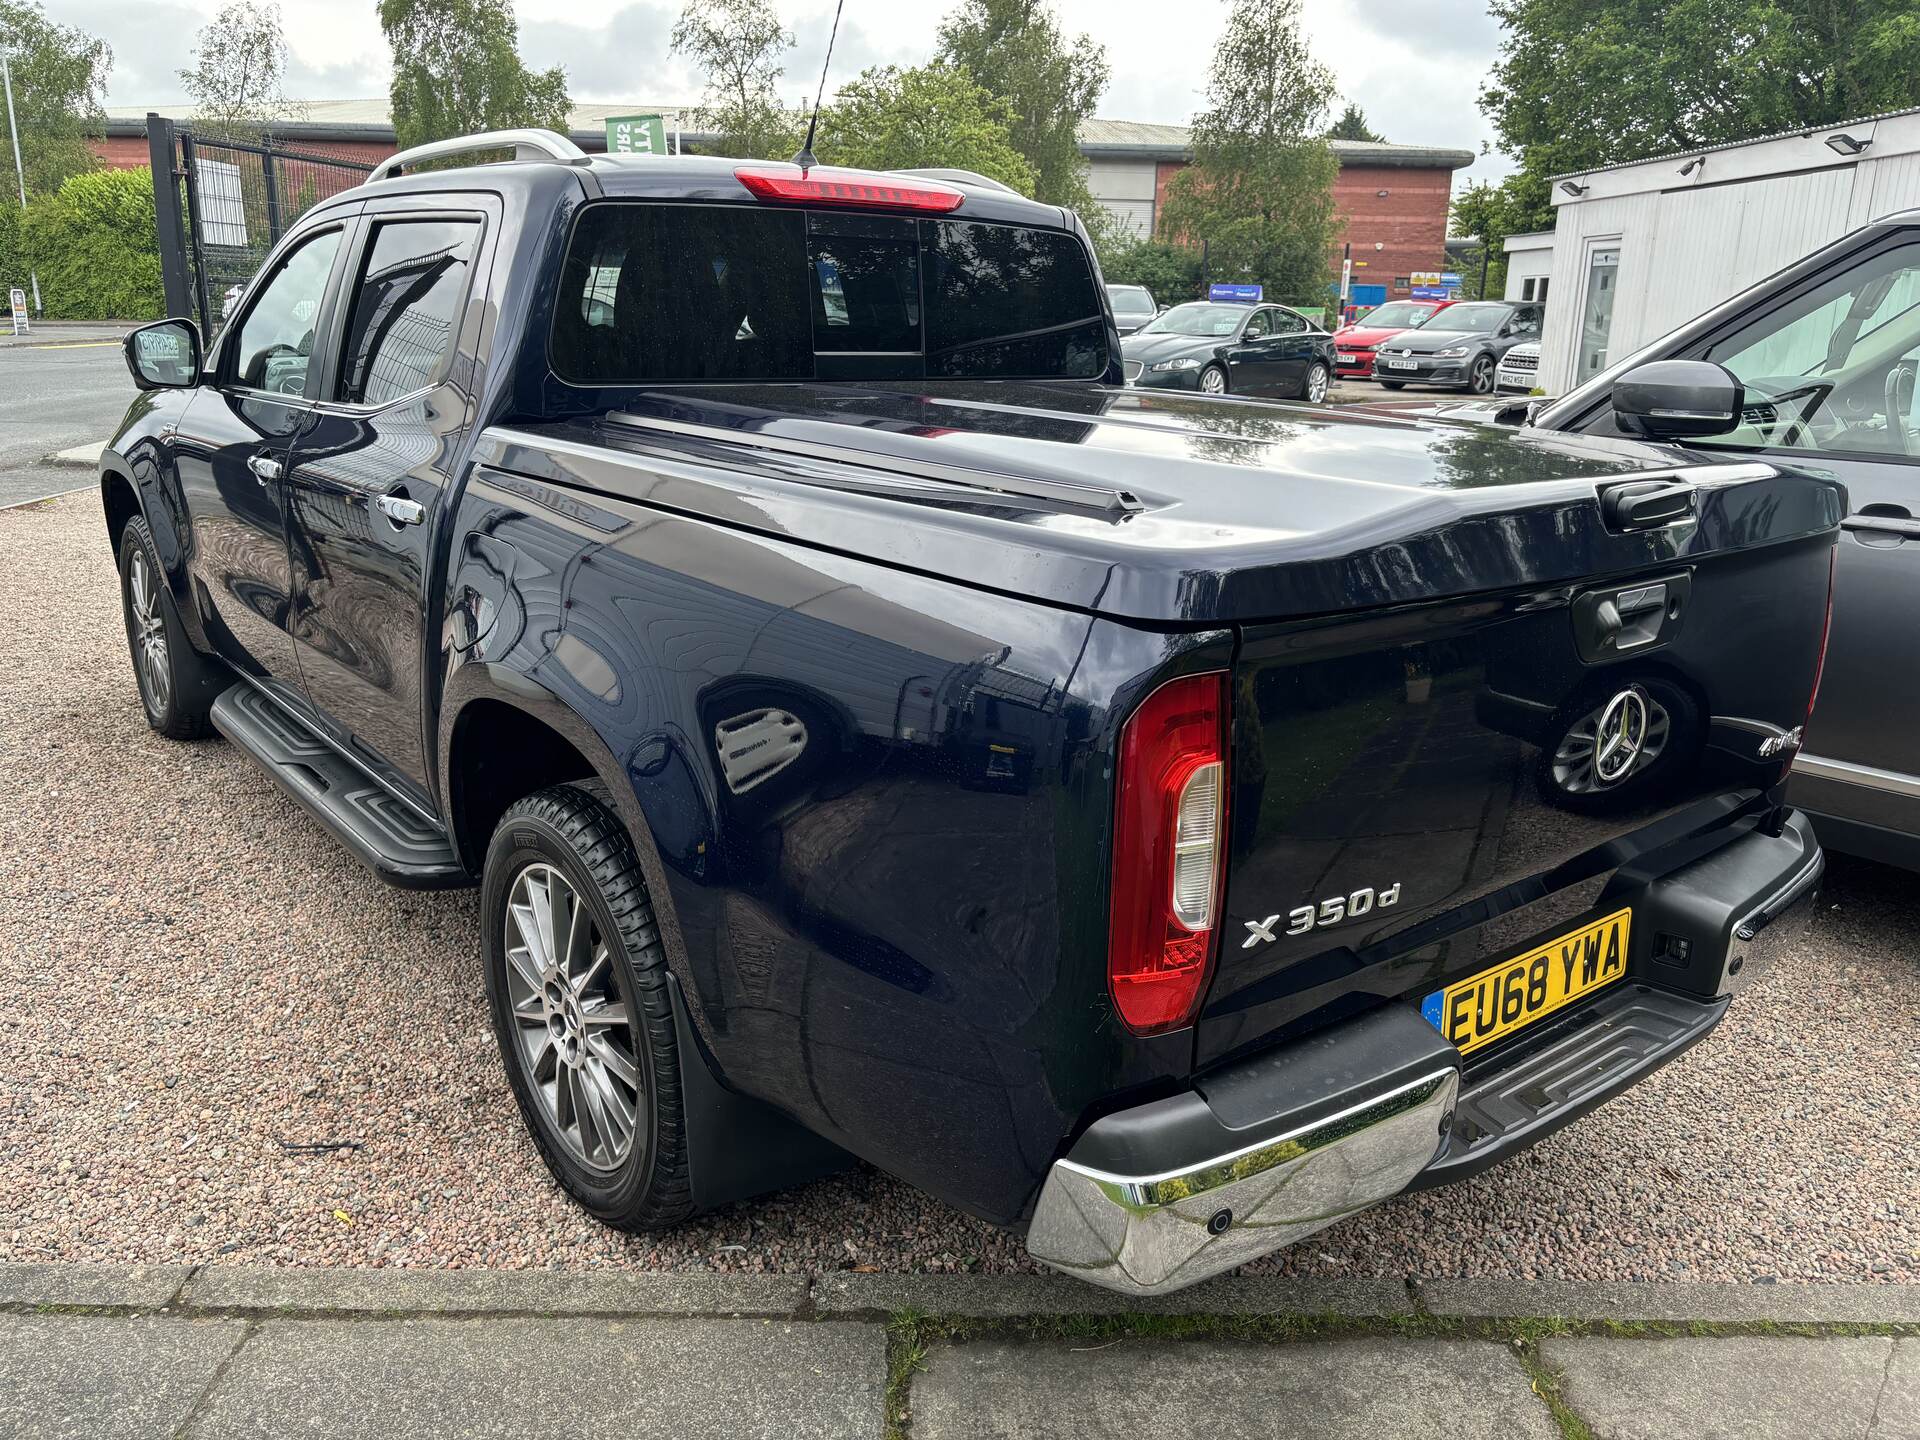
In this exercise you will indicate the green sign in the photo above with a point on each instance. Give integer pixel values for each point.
(636, 135)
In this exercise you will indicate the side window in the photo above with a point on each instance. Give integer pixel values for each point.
(275, 342)
(1831, 369)
(1526, 324)
(1259, 325)
(1285, 322)
(405, 307)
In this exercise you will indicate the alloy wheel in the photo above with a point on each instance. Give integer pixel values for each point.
(1317, 384)
(149, 633)
(1611, 743)
(1482, 381)
(574, 1028)
(1212, 381)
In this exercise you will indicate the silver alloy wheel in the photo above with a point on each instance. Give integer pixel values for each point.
(1481, 381)
(1316, 384)
(1213, 380)
(1611, 743)
(149, 633)
(573, 1027)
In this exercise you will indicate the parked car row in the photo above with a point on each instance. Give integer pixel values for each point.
(1222, 348)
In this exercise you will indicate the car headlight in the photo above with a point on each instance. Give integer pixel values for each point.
(1181, 362)
(1451, 352)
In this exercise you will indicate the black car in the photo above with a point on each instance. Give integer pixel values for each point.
(1245, 349)
(1459, 348)
(1133, 306)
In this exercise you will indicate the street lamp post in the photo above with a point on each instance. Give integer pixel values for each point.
(19, 170)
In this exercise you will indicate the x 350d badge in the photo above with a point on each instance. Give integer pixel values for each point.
(1331, 911)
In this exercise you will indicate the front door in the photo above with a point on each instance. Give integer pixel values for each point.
(232, 446)
(368, 479)
(1596, 312)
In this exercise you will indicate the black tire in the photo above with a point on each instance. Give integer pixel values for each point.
(1480, 376)
(574, 830)
(1316, 371)
(1225, 387)
(1393, 384)
(177, 684)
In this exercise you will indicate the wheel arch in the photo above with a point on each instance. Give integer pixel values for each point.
(119, 499)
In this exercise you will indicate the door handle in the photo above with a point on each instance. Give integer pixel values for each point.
(265, 469)
(1886, 519)
(400, 510)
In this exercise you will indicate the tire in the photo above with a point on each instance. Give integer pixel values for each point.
(1393, 384)
(1213, 381)
(1668, 743)
(177, 684)
(1480, 376)
(1313, 389)
(566, 1062)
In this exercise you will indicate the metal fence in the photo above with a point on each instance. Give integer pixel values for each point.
(222, 202)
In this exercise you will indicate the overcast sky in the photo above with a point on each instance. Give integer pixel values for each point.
(1415, 74)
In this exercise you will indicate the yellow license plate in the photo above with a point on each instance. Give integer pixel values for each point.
(1493, 1004)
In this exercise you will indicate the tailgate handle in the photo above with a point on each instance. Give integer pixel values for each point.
(1646, 504)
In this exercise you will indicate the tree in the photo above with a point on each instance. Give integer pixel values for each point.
(1352, 125)
(1490, 213)
(1260, 190)
(59, 88)
(239, 70)
(1014, 50)
(456, 71)
(94, 245)
(1578, 85)
(1171, 272)
(932, 117)
(740, 44)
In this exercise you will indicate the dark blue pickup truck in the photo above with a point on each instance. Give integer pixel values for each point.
(1166, 823)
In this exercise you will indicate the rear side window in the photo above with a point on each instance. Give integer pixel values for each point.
(405, 307)
(656, 292)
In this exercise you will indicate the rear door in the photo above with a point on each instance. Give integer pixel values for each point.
(368, 479)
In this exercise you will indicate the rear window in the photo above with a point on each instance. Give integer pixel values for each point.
(653, 292)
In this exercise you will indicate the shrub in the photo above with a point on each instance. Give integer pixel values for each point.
(94, 244)
(1171, 272)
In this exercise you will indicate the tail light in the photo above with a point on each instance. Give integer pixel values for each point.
(827, 185)
(1169, 852)
(1819, 664)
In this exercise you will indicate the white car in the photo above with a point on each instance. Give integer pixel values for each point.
(1519, 368)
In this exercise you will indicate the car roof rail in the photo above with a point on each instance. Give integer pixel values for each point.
(961, 177)
(526, 144)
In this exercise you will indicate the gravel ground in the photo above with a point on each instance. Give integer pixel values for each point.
(208, 997)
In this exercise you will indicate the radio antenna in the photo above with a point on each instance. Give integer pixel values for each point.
(805, 158)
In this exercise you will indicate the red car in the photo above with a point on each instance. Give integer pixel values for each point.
(1353, 344)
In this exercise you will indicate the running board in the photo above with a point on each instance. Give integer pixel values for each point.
(384, 833)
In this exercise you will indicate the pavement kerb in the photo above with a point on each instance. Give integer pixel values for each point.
(287, 1292)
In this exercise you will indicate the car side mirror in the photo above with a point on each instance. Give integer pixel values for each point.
(1673, 399)
(164, 355)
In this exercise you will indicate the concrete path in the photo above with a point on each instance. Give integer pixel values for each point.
(173, 1352)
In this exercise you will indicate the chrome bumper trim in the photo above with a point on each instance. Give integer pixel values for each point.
(1845, 772)
(1149, 1234)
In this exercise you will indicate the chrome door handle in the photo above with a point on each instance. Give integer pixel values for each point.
(400, 510)
(265, 469)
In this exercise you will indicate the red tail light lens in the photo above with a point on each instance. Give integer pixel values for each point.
(825, 185)
(1169, 852)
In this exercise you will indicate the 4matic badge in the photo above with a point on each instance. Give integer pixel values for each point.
(1333, 911)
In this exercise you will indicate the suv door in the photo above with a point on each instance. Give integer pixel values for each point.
(368, 479)
(232, 445)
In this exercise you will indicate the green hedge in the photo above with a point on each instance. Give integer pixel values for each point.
(94, 245)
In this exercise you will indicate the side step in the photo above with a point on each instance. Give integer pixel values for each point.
(388, 836)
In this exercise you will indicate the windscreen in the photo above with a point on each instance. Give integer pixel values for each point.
(657, 292)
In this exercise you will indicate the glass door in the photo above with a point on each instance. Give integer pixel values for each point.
(1596, 311)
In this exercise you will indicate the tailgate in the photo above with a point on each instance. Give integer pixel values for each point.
(1420, 791)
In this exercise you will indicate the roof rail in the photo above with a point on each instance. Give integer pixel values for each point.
(961, 177)
(526, 145)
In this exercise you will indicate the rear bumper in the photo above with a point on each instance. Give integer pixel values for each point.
(1269, 1150)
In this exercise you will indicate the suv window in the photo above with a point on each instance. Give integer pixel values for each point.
(666, 292)
(1832, 368)
(404, 307)
(275, 342)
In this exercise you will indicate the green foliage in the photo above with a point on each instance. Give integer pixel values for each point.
(94, 245)
(239, 71)
(1171, 272)
(456, 71)
(1578, 85)
(933, 116)
(1491, 213)
(15, 266)
(1260, 190)
(1014, 50)
(59, 77)
(1352, 125)
(740, 45)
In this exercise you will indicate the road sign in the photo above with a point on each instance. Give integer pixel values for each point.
(17, 303)
(636, 135)
(1242, 294)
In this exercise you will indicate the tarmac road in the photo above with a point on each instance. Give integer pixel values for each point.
(61, 386)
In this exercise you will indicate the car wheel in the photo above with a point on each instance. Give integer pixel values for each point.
(1314, 391)
(1213, 381)
(577, 985)
(178, 685)
(1393, 384)
(1480, 377)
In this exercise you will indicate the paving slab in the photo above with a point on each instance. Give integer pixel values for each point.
(468, 1379)
(1329, 1390)
(140, 1287)
(81, 457)
(1673, 1301)
(95, 1377)
(1746, 1387)
(1898, 1416)
(526, 1292)
(1013, 1296)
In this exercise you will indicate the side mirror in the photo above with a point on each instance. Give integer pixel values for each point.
(164, 355)
(1673, 399)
